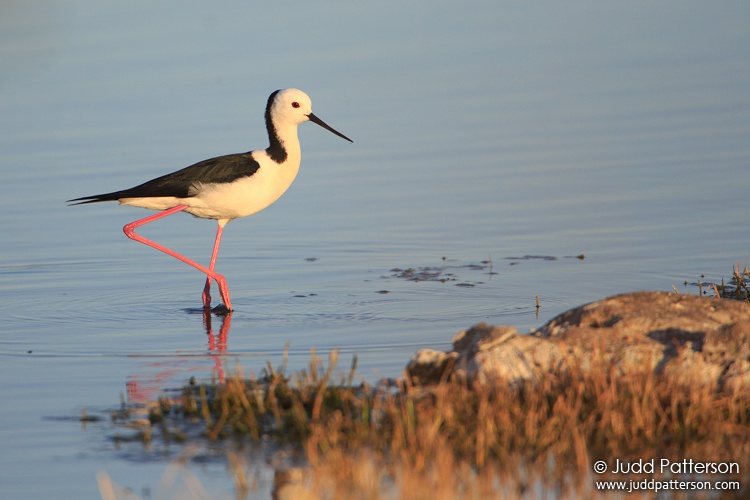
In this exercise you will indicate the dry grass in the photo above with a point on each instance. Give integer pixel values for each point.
(737, 289)
(450, 440)
(740, 284)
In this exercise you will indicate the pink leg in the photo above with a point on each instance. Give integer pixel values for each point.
(214, 254)
(129, 230)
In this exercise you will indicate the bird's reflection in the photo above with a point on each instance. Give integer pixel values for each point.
(156, 376)
(217, 344)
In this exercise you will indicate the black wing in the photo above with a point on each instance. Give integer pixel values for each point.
(222, 169)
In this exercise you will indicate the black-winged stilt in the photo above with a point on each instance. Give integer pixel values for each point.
(226, 187)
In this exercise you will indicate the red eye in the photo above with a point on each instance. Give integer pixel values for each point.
(295, 105)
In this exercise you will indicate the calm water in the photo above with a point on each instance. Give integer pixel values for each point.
(489, 131)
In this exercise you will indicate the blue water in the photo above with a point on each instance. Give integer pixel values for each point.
(487, 131)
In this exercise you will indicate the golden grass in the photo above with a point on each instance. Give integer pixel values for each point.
(738, 287)
(741, 282)
(450, 440)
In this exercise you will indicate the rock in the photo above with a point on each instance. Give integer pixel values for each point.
(491, 353)
(485, 354)
(428, 365)
(692, 339)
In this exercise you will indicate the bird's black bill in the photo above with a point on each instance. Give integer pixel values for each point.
(323, 124)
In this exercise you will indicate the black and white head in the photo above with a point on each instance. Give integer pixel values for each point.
(290, 107)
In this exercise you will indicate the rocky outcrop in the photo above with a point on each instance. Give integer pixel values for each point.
(696, 340)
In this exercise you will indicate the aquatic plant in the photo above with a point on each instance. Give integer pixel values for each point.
(401, 439)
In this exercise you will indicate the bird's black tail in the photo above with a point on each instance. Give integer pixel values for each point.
(95, 198)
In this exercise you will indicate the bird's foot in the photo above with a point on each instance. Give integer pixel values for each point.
(221, 310)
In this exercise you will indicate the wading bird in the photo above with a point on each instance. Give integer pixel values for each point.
(226, 187)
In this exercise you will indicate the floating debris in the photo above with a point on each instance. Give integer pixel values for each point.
(423, 274)
(533, 257)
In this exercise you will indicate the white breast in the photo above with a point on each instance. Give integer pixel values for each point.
(246, 195)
